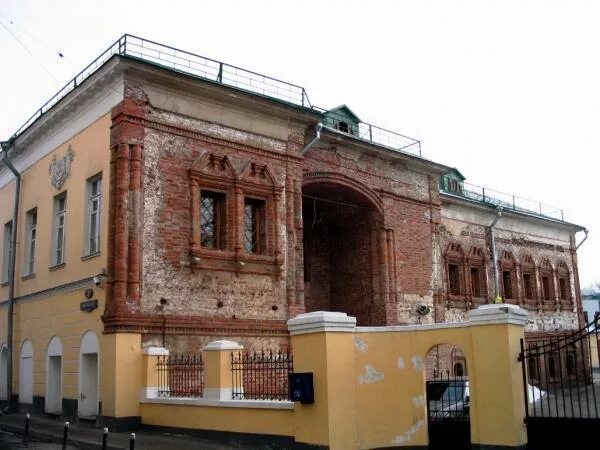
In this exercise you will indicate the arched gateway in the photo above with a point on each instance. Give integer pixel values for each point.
(348, 254)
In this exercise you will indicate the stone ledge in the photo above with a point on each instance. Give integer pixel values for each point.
(222, 345)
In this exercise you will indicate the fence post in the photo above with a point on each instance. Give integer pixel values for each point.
(218, 383)
(150, 357)
(496, 333)
(323, 344)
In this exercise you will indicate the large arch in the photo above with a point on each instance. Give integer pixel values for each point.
(348, 254)
(53, 403)
(26, 373)
(89, 350)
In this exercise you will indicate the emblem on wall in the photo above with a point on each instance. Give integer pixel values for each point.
(61, 168)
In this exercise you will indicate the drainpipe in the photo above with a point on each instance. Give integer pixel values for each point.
(494, 256)
(586, 231)
(11, 273)
(318, 128)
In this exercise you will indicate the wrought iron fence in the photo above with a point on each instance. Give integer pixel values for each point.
(561, 375)
(497, 198)
(180, 375)
(261, 375)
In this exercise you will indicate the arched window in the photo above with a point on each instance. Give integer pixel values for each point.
(508, 277)
(564, 285)
(529, 282)
(547, 285)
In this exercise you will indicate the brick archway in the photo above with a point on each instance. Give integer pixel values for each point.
(347, 251)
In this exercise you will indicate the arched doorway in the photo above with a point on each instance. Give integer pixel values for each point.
(3, 373)
(87, 405)
(26, 374)
(54, 377)
(346, 249)
(448, 398)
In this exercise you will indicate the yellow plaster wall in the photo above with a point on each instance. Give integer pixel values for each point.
(121, 374)
(91, 149)
(390, 384)
(40, 320)
(279, 422)
(57, 314)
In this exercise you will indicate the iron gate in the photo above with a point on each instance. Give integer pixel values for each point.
(561, 384)
(448, 413)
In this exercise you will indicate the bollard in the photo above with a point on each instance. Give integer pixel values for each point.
(104, 438)
(26, 434)
(65, 436)
(132, 441)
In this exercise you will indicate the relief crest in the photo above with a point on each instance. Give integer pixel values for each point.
(61, 168)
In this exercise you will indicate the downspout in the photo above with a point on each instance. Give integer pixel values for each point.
(586, 231)
(11, 273)
(318, 128)
(494, 256)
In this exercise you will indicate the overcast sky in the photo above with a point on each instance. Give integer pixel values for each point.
(508, 92)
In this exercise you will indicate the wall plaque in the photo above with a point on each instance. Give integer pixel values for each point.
(61, 168)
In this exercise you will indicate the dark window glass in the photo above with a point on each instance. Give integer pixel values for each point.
(546, 288)
(454, 278)
(254, 232)
(528, 285)
(476, 281)
(507, 283)
(212, 220)
(562, 283)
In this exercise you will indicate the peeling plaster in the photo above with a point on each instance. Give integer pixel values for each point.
(401, 363)
(360, 344)
(418, 401)
(417, 363)
(402, 438)
(371, 375)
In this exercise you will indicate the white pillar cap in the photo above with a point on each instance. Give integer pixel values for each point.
(223, 345)
(498, 313)
(155, 351)
(320, 321)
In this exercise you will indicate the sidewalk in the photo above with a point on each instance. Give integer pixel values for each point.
(87, 438)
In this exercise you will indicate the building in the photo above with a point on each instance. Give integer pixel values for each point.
(170, 199)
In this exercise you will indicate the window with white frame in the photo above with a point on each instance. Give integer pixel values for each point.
(58, 235)
(30, 241)
(94, 208)
(7, 251)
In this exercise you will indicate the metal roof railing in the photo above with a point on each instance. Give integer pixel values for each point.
(371, 133)
(496, 198)
(185, 62)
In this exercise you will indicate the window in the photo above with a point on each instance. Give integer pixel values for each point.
(212, 220)
(476, 281)
(507, 284)
(94, 207)
(343, 126)
(563, 288)
(254, 225)
(527, 285)
(546, 288)
(7, 251)
(58, 235)
(30, 236)
(454, 278)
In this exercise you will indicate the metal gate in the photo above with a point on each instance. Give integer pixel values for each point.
(561, 382)
(448, 413)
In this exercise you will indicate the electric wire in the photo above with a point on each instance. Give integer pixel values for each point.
(28, 51)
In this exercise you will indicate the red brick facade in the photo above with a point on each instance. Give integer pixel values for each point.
(345, 227)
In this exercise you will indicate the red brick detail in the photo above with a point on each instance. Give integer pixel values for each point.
(194, 325)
